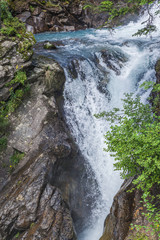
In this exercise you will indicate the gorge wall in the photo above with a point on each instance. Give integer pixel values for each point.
(41, 16)
(30, 206)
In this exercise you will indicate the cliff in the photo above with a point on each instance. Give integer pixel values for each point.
(32, 141)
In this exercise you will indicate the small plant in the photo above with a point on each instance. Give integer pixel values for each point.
(31, 8)
(15, 159)
(3, 143)
(20, 77)
(17, 235)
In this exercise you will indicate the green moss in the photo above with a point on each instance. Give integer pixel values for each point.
(50, 4)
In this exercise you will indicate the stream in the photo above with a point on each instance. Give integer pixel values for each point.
(100, 67)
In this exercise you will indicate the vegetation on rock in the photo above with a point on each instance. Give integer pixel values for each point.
(15, 159)
(13, 30)
(134, 141)
(116, 9)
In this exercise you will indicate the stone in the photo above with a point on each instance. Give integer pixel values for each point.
(49, 46)
(69, 28)
(24, 16)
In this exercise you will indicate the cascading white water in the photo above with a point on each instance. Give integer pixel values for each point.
(99, 69)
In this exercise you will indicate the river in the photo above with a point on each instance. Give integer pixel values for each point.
(100, 67)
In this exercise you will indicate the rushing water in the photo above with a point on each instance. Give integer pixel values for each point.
(99, 69)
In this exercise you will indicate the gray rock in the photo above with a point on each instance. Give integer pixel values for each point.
(30, 207)
(24, 16)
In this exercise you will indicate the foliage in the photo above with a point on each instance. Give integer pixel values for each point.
(20, 77)
(4, 9)
(13, 27)
(134, 141)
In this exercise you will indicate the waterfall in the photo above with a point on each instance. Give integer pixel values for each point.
(99, 69)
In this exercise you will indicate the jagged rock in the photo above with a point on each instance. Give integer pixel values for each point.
(30, 207)
(110, 57)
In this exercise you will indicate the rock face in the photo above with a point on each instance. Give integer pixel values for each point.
(30, 206)
(117, 223)
(41, 16)
(127, 209)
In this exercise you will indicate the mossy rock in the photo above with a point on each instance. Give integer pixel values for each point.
(49, 46)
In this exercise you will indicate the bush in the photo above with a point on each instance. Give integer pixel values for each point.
(13, 27)
(4, 8)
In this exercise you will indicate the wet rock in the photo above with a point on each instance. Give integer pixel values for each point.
(49, 46)
(69, 28)
(114, 60)
(36, 11)
(76, 9)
